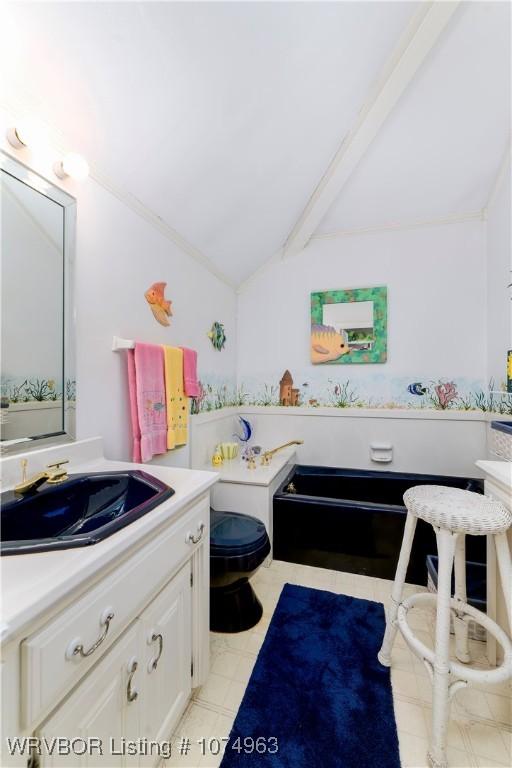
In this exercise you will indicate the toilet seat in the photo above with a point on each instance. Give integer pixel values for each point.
(233, 534)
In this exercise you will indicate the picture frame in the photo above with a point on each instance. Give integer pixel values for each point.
(349, 326)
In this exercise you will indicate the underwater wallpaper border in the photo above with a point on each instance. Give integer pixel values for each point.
(376, 392)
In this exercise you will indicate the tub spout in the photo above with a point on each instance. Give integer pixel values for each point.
(267, 455)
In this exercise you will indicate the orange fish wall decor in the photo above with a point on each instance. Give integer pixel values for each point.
(160, 306)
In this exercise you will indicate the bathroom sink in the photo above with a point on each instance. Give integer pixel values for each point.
(80, 511)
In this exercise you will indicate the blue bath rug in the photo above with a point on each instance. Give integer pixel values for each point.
(318, 688)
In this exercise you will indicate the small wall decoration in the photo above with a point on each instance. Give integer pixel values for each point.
(349, 326)
(217, 335)
(288, 394)
(160, 306)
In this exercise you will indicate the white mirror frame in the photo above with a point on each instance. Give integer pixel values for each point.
(68, 203)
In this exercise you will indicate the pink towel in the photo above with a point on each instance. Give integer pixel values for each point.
(134, 415)
(150, 400)
(190, 382)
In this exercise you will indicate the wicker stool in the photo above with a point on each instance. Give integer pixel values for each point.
(453, 513)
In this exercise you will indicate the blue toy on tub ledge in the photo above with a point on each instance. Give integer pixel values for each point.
(247, 452)
(246, 430)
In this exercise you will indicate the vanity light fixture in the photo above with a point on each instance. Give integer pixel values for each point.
(72, 165)
(23, 134)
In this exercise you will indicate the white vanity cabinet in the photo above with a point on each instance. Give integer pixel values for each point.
(139, 688)
(166, 654)
(115, 658)
(99, 707)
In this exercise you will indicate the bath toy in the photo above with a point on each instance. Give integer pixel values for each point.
(246, 430)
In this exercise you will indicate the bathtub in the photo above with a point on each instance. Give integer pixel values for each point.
(353, 520)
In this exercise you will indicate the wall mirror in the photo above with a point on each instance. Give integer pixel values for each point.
(37, 369)
(349, 326)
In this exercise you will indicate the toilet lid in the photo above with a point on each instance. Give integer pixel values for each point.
(232, 533)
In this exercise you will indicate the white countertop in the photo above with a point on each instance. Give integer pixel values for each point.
(498, 470)
(32, 583)
(236, 471)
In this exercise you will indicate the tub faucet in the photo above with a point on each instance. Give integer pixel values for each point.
(267, 455)
(55, 475)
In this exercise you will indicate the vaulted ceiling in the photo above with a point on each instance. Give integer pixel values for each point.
(222, 118)
(440, 150)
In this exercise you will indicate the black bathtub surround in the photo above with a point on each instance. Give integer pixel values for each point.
(353, 520)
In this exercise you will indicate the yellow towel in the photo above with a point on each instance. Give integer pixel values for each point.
(175, 398)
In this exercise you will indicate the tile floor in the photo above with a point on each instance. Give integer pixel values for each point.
(480, 732)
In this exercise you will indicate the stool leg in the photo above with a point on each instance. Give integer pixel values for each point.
(384, 654)
(460, 626)
(505, 571)
(440, 695)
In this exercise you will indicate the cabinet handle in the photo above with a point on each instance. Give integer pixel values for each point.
(191, 539)
(131, 695)
(76, 648)
(154, 637)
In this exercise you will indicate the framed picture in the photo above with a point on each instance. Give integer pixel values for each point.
(349, 326)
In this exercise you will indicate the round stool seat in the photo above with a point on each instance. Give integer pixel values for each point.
(457, 510)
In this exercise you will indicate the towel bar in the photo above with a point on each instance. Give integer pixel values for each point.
(118, 343)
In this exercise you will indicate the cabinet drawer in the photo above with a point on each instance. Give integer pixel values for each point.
(50, 668)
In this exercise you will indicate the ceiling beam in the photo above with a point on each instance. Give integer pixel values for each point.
(420, 36)
(400, 226)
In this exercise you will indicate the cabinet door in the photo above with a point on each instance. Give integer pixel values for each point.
(167, 631)
(100, 708)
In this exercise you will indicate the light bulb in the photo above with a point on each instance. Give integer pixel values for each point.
(25, 133)
(72, 165)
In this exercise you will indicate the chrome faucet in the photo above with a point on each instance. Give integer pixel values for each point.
(267, 455)
(54, 476)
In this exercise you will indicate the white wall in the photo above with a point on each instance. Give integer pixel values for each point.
(431, 442)
(436, 330)
(436, 309)
(445, 443)
(499, 275)
(209, 429)
(119, 255)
